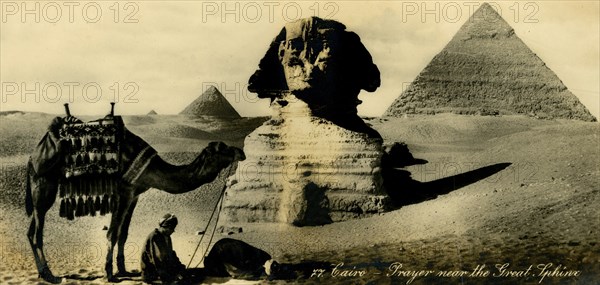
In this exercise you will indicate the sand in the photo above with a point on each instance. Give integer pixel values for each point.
(538, 212)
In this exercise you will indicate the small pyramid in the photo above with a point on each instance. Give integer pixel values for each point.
(151, 113)
(487, 69)
(211, 103)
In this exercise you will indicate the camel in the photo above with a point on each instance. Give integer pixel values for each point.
(42, 190)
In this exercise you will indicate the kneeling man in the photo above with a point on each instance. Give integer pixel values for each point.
(159, 261)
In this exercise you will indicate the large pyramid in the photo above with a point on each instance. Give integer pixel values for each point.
(487, 69)
(211, 103)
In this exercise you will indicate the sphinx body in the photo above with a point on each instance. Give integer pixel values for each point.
(315, 161)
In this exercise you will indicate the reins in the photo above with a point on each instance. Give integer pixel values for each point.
(219, 204)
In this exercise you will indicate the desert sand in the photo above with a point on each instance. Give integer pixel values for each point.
(539, 210)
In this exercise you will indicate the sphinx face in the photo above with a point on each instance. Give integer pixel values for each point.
(323, 65)
(309, 62)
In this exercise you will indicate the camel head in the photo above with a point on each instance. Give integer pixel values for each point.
(222, 152)
(212, 160)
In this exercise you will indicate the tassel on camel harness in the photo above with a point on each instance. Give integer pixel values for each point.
(92, 153)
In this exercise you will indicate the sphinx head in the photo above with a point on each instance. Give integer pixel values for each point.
(319, 62)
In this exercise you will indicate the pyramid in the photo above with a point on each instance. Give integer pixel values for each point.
(211, 103)
(152, 112)
(486, 69)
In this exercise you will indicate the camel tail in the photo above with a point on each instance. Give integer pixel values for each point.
(28, 198)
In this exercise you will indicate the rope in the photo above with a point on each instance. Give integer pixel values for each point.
(220, 204)
(213, 232)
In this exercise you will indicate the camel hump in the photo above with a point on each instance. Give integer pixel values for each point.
(46, 155)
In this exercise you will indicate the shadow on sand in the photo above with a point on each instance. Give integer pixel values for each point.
(129, 276)
(404, 190)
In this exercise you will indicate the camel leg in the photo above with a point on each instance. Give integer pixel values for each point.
(122, 239)
(116, 221)
(43, 195)
(33, 243)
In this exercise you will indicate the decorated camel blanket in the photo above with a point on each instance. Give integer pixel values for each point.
(89, 158)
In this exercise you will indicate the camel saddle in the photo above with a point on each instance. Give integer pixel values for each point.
(87, 157)
(90, 171)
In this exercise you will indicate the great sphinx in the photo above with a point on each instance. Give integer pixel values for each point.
(315, 161)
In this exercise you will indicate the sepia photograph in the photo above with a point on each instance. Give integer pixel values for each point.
(299, 142)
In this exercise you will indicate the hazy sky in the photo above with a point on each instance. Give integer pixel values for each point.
(161, 55)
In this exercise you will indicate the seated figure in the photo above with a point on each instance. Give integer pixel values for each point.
(159, 261)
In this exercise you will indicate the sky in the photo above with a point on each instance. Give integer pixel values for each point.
(161, 55)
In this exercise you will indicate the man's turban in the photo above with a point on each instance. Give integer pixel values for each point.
(168, 221)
